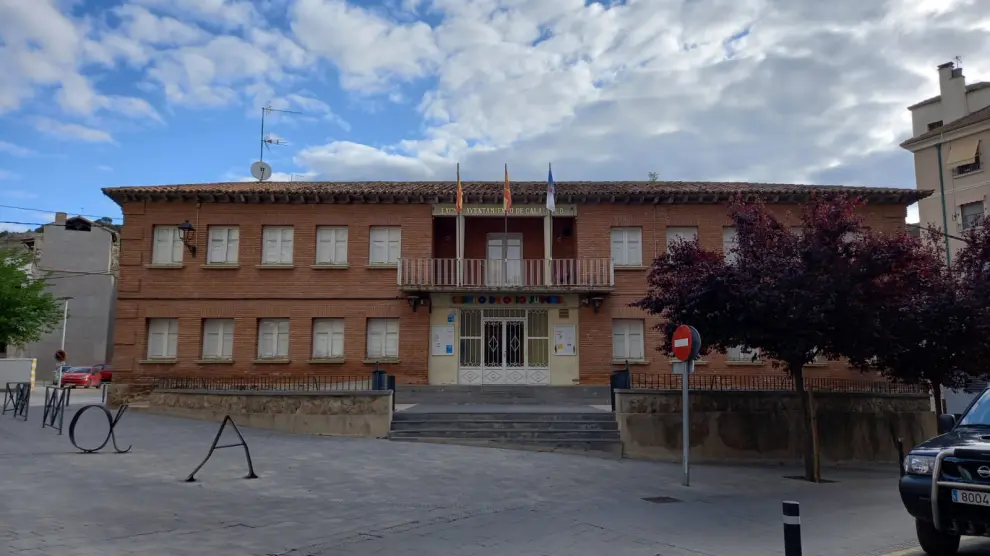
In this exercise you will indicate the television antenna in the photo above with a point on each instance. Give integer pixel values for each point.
(266, 141)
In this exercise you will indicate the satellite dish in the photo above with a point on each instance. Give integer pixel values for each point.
(261, 170)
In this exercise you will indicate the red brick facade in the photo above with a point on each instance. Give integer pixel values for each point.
(301, 292)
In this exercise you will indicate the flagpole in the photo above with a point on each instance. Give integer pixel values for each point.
(505, 237)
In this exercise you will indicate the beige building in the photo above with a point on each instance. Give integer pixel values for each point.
(951, 143)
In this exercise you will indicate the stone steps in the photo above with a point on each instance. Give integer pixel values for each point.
(594, 433)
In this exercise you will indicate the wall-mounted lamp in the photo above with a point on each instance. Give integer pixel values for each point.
(594, 302)
(187, 233)
(416, 302)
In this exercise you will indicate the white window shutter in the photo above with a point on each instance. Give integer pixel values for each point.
(282, 349)
(618, 247)
(340, 246)
(634, 246)
(172, 345)
(271, 250)
(233, 244)
(227, 347)
(635, 340)
(337, 340)
(211, 340)
(218, 245)
(176, 246)
(375, 339)
(285, 256)
(324, 245)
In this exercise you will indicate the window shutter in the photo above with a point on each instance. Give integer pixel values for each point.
(172, 339)
(233, 244)
(211, 340)
(266, 339)
(375, 339)
(282, 348)
(635, 340)
(271, 246)
(163, 246)
(227, 348)
(618, 341)
(391, 338)
(286, 246)
(176, 245)
(337, 339)
(394, 244)
(634, 250)
(324, 246)
(379, 247)
(618, 247)
(340, 247)
(218, 245)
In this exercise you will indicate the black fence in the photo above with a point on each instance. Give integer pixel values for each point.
(740, 382)
(309, 383)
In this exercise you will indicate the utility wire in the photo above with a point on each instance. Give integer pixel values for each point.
(53, 211)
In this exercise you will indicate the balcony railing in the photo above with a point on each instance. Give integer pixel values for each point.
(581, 275)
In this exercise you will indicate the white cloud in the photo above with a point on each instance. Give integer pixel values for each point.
(104, 168)
(18, 194)
(72, 131)
(15, 150)
(8, 175)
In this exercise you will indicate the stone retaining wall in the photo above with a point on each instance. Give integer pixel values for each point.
(335, 413)
(746, 425)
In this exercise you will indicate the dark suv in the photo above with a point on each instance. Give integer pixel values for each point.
(946, 481)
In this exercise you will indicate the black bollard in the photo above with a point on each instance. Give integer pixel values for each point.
(792, 529)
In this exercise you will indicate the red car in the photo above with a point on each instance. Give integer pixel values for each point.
(106, 373)
(81, 377)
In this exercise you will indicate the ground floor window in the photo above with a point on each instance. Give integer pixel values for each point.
(383, 338)
(627, 339)
(504, 346)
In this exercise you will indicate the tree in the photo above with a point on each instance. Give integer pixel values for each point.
(787, 293)
(652, 176)
(26, 310)
(928, 329)
(107, 222)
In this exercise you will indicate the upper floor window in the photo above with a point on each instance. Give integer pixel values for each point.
(687, 233)
(934, 125)
(386, 244)
(277, 248)
(273, 339)
(331, 245)
(224, 242)
(730, 240)
(964, 156)
(163, 338)
(627, 246)
(167, 248)
(972, 214)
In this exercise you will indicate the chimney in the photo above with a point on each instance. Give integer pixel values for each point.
(952, 87)
(60, 217)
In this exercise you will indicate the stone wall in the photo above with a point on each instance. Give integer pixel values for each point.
(335, 413)
(118, 394)
(746, 426)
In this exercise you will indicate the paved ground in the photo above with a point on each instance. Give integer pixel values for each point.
(347, 497)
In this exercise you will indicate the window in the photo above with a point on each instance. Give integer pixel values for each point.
(935, 125)
(168, 247)
(972, 214)
(627, 339)
(328, 338)
(218, 339)
(278, 245)
(383, 338)
(627, 246)
(386, 242)
(163, 338)
(739, 354)
(331, 245)
(964, 156)
(730, 241)
(687, 233)
(273, 339)
(223, 245)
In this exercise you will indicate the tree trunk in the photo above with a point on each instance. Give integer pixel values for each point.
(937, 395)
(812, 472)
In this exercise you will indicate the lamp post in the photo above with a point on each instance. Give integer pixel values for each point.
(65, 322)
(187, 234)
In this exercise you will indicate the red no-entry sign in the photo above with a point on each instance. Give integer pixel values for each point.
(686, 343)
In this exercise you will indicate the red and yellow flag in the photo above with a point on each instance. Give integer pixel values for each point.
(507, 193)
(460, 191)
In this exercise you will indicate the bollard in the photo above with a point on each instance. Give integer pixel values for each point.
(792, 529)
(390, 385)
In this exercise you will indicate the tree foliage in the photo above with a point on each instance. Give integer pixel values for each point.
(793, 294)
(26, 310)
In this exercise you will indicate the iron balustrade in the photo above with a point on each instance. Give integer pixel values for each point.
(311, 383)
(494, 274)
(743, 382)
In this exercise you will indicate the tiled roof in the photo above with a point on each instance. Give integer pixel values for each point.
(980, 115)
(491, 192)
(969, 89)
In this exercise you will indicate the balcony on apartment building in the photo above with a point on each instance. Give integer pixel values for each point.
(520, 253)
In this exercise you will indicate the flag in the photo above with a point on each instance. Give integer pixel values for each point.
(551, 191)
(459, 205)
(506, 193)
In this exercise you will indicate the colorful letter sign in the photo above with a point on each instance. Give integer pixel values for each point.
(506, 299)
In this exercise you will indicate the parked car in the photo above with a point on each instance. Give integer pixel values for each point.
(85, 377)
(106, 373)
(945, 484)
(59, 369)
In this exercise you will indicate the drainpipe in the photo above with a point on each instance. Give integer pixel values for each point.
(945, 217)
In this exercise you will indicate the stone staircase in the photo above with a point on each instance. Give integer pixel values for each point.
(503, 395)
(572, 431)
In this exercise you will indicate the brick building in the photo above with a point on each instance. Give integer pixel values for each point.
(333, 278)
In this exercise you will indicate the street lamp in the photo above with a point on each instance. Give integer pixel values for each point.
(187, 233)
(61, 351)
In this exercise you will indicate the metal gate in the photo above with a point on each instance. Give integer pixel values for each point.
(504, 346)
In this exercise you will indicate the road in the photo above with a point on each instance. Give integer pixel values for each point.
(346, 497)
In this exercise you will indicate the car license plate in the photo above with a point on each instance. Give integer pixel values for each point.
(971, 497)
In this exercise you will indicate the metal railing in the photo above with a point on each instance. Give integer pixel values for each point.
(509, 274)
(265, 383)
(742, 382)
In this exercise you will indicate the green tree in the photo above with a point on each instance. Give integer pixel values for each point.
(27, 310)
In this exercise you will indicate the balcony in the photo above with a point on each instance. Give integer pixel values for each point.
(527, 275)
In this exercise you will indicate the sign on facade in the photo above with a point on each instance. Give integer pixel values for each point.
(564, 339)
(442, 339)
(496, 210)
(506, 299)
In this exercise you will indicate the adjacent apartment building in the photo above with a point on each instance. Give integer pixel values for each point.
(79, 259)
(950, 138)
(335, 278)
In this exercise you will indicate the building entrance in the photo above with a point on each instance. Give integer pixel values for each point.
(504, 346)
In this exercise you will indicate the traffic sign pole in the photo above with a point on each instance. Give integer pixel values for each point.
(685, 424)
(686, 346)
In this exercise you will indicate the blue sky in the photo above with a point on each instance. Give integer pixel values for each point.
(138, 92)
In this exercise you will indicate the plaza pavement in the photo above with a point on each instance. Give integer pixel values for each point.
(344, 497)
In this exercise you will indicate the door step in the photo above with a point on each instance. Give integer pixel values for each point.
(597, 448)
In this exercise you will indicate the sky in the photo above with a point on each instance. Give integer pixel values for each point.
(103, 93)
